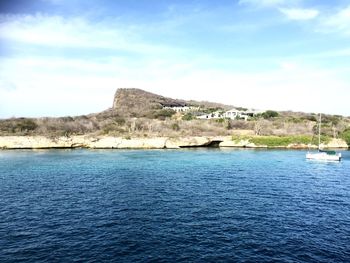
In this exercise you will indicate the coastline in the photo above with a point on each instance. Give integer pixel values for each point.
(109, 142)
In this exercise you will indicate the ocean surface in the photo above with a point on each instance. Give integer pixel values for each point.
(189, 205)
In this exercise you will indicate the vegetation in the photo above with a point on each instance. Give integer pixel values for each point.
(221, 120)
(161, 114)
(346, 136)
(211, 110)
(175, 127)
(309, 118)
(283, 141)
(269, 114)
(139, 103)
(331, 119)
(21, 126)
(26, 125)
(188, 116)
(137, 113)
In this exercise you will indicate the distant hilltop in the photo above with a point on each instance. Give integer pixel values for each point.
(139, 103)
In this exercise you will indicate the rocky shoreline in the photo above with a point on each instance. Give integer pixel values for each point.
(107, 142)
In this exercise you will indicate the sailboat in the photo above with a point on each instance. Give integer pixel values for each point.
(321, 154)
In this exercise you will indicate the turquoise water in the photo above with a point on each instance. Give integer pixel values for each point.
(190, 205)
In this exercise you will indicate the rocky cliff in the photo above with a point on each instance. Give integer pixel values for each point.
(100, 142)
(138, 103)
(131, 102)
(108, 142)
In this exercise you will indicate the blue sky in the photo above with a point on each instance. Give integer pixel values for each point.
(64, 57)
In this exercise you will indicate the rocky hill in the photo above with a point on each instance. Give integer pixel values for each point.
(138, 113)
(139, 103)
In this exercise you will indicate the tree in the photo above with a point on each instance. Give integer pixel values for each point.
(175, 127)
(269, 114)
(26, 125)
(187, 117)
(258, 127)
(346, 136)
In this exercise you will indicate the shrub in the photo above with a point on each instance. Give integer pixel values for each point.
(26, 125)
(211, 110)
(161, 114)
(269, 114)
(271, 141)
(175, 127)
(241, 108)
(295, 119)
(221, 120)
(119, 120)
(229, 125)
(187, 117)
(310, 118)
(107, 128)
(66, 119)
(281, 141)
(328, 119)
(346, 136)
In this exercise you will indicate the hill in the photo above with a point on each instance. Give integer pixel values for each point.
(140, 103)
(138, 113)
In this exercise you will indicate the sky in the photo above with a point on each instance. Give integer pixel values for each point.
(66, 57)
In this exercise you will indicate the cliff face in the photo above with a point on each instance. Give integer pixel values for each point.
(138, 103)
(108, 142)
(100, 142)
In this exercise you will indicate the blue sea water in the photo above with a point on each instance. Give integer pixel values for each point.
(190, 205)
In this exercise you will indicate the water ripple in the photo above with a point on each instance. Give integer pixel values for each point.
(173, 206)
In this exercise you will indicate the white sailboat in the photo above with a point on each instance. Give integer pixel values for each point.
(321, 154)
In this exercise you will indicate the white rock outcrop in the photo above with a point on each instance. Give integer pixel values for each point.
(41, 142)
(337, 143)
(108, 142)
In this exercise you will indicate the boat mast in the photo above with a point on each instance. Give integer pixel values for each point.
(319, 132)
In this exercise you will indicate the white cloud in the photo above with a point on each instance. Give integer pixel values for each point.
(293, 88)
(288, 65)
(87, 85)
(271, 3)
(339, 22)
(55, 2)
(299, 13)
(83, 86)
(45, 86)
(264, 2)
(76, 32)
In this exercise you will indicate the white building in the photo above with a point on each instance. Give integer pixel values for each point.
(232, 114)
(182, 108)
(213, 115)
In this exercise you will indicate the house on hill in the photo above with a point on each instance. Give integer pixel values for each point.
(184, 108)
(232, 114)
(213, 115)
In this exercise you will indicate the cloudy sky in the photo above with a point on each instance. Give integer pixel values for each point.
(65, 57)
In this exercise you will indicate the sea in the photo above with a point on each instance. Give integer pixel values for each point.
(185, 205)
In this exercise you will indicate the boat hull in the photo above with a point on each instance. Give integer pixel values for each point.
(324, 156)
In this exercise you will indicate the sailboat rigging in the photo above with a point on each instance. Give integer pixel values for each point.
(322, 154)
